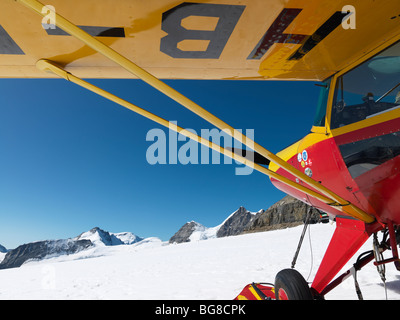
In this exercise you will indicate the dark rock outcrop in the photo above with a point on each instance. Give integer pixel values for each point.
(236, 223)
(184, 233)
(3, 249)
(288, 212)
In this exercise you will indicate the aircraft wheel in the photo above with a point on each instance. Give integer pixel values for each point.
(290, 285)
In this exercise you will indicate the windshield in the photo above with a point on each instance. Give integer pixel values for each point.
(368, 90)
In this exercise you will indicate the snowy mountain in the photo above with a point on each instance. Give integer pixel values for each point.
(186, 231)
(40, 250)
(100, 237)
(194, 231)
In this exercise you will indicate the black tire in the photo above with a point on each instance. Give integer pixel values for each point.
(290, 284)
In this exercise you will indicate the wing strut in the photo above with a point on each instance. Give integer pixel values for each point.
(49, 66)
(330, 197)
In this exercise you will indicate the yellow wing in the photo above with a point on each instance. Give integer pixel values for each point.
(219, 39)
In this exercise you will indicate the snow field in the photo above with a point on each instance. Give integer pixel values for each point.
(199, 270)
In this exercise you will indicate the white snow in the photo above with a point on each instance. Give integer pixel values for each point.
(216, 268)
(99, 238)
(201, 232)
(126, 237)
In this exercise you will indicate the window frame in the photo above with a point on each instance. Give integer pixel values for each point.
(390, 114)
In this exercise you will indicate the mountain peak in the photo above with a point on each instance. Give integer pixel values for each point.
(185, 232)
(99, 236)
(235, 223)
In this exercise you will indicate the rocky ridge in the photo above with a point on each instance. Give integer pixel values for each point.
(288, 212)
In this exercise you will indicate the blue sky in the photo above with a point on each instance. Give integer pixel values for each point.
(71, 160)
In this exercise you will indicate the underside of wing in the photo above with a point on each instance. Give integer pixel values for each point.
(219, 39)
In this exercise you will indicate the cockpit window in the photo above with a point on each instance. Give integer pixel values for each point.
(368, 90)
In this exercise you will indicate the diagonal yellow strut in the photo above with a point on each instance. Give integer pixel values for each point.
(49, 66)
(100, 47)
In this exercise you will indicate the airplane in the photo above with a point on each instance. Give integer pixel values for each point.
(347, 166)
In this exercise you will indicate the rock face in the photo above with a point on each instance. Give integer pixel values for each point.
(184, 233)
(41, 249)
(288, 212)
(236, 223)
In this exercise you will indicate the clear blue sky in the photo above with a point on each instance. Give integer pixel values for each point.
(71, 160)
